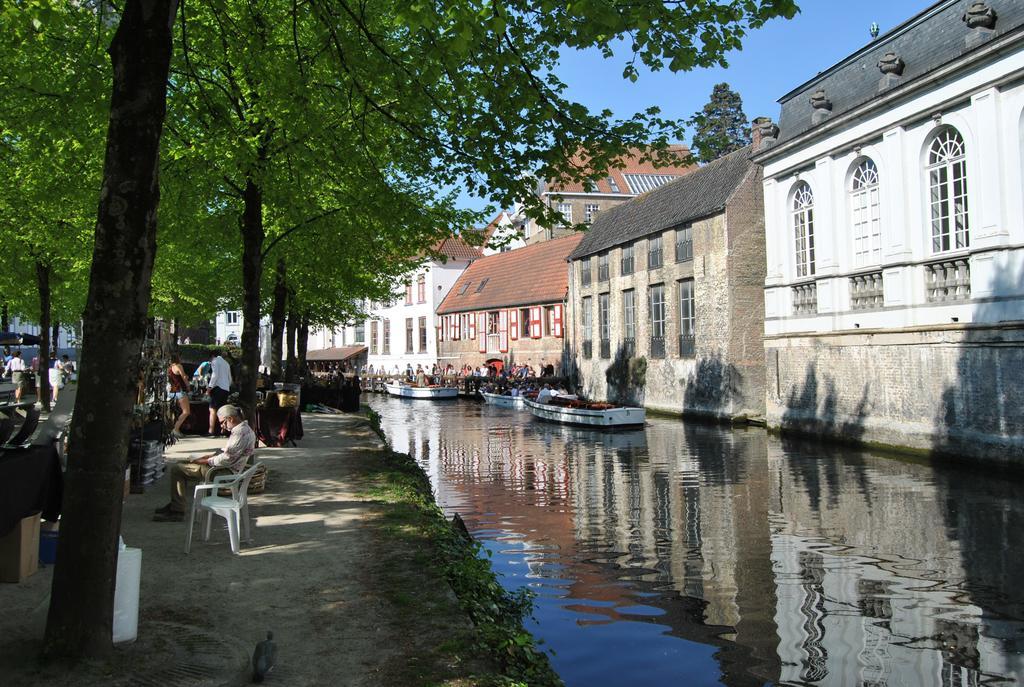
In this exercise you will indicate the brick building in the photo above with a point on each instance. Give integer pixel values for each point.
(508, 307)
(583, 203)
(665, 298)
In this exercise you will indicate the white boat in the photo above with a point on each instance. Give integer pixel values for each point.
(615, 417)
(428, 392)
(504, 401)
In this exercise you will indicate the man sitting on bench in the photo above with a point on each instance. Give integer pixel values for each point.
(236, 452)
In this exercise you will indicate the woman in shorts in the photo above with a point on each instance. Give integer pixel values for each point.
(178, 384)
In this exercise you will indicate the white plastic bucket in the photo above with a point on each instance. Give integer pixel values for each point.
(126, 595)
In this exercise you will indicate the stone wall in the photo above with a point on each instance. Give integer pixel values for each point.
(724, 376)
(954, 389)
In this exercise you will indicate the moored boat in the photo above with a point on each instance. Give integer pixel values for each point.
(427, 392)
(584, 414)
(503, 400)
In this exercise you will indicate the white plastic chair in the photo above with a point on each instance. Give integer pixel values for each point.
(234, 508)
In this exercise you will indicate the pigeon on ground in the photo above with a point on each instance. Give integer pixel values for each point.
(264, 658)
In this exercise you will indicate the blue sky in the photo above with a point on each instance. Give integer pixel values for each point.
(774, 60)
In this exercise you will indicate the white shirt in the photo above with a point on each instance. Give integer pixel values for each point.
(221, 376)
(240, 445)
(16, 364)
(544, 396)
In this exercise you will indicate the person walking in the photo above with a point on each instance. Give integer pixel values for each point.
(219, 388)
(16, 369)
(178, 382)
(53, 373)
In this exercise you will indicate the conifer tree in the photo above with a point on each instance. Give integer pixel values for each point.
(721, 127)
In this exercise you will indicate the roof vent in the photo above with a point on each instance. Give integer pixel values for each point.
(981, 20)
(822, 106)
(891, 65)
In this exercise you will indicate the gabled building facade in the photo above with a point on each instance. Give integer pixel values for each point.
(894, 295)
(508, 307)
(402, 333)
(583, 203)
(665, 296)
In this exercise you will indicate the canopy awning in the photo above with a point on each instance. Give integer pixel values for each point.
(338, 354)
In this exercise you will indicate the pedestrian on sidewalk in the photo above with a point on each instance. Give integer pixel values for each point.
(219, 388)
(179, 385)
(16, 368)
(237, 450)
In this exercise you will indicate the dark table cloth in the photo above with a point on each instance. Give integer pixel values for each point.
(30, 482)
(273, 426)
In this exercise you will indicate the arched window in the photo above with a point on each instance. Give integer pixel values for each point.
(947, 191)
(803, 229)
(865, 210)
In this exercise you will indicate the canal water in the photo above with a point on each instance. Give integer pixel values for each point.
(688, 554)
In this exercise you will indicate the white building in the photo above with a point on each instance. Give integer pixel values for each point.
(894, 295)
(228, 325)
(403, 333)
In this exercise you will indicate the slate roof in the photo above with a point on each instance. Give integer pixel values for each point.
(926, 42)
(526, 276)
(633, 166)
(339, 353)
(696, 195)
(456, 248)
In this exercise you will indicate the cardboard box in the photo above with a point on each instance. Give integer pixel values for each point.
(19, 550)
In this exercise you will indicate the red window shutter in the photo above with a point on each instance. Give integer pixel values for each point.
(481, 325)
(535, 323)
(503, 331)
(513, 324)
(558, 329)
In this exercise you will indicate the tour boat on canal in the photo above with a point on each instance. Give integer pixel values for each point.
(427, 392)
(573, 411)
(504, 400)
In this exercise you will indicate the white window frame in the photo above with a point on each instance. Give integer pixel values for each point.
(590, 211)
(566, 210)
(802, 219)
(866, 213)
(948, 203)
(656, 310)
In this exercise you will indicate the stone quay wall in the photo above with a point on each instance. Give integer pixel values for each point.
(956, 389)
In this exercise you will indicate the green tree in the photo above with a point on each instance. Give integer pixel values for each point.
(335, 116)
(721, 127)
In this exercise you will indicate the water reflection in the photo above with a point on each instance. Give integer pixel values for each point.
(687, 554)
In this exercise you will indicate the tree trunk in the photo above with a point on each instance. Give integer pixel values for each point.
(82, 596)
(277, 317)
(55, 337)
(252, 272)
(43, 376)
(303, 346)
(175, 328)
(5, 318)
(290, 331)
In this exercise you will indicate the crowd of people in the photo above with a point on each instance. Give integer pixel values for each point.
(59, 372)
(486, 370)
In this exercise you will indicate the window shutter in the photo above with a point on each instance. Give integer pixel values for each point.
(503, 331)
(557, 326)
(513, 324)
(471, 326)
(535, 323)
(481, 326)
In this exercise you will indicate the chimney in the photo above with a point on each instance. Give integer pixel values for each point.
(763, 133)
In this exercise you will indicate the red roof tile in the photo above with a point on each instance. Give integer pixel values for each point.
(633, 166)
(455, 248)
(525, 276)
